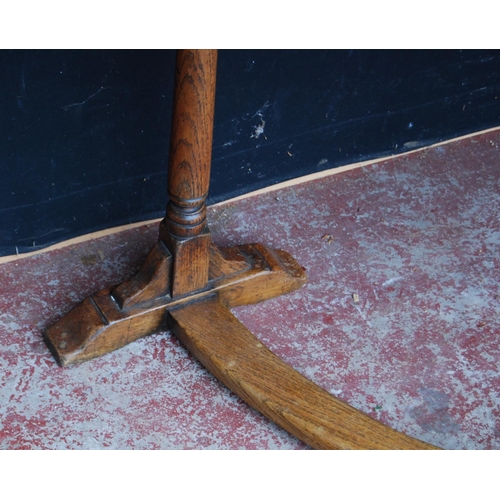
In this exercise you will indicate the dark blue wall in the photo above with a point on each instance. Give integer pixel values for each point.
(84, 134)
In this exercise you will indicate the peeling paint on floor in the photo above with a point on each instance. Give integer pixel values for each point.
(400, 316)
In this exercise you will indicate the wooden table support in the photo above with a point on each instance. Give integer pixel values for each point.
(188, 285)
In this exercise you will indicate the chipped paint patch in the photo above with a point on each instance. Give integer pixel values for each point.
(419, 351)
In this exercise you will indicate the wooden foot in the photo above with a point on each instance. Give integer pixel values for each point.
(112, 318)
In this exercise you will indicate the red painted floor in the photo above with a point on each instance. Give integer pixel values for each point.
(400, 317)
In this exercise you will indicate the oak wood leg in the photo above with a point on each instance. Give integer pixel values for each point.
(242, 363)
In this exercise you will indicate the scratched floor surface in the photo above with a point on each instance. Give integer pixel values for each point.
(400, 317)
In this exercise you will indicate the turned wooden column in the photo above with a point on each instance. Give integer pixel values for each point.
(184, 229)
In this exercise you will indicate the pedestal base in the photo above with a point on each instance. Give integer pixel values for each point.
(112, 318)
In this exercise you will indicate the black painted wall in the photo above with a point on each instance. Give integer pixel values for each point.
(84, 134)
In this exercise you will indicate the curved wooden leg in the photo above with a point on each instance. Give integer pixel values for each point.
(241, 362)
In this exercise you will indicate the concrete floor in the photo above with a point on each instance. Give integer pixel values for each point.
(400, 317)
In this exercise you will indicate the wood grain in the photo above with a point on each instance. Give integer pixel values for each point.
(151, 282)
(184, 229)
(114, 317)
(191, 141)
(247, 367)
